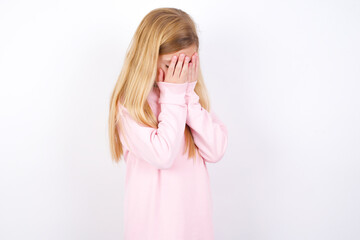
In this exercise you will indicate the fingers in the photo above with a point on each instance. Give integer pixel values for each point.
(180, 70)
(193, 68)
(193, 65)
(160, 75)
(190, 72)
(184, 72)
(170, 70)
(196, 67)
(179, 65)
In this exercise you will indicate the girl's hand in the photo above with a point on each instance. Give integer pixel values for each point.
(194, 67)
(178, 73)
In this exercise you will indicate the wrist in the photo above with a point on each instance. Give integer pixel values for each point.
(191, 96)
(172, 92)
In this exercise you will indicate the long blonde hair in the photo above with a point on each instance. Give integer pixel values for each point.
(162, 31)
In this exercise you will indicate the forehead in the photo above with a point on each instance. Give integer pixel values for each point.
(187, 51)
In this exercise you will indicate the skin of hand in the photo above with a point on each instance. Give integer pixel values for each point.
(176, 73)
(194, 67)
(186, 69)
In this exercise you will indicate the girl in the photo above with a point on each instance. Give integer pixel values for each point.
(159, 120)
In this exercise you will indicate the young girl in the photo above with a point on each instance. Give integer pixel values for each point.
(159, 121)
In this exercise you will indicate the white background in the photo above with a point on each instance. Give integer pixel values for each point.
(284, 76)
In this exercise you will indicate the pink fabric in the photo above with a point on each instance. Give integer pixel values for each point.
(167, 196)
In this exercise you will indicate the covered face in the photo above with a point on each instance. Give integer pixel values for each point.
(164, 60)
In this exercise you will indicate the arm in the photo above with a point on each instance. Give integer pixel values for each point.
(158, 146)
(209, 133)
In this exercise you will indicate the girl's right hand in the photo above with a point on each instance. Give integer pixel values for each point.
(176, 73)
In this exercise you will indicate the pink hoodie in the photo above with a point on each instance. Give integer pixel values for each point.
(167, 196)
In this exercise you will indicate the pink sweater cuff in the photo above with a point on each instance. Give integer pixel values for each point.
(173, 93)
(191, 96)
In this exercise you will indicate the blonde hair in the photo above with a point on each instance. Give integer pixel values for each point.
(162, 31)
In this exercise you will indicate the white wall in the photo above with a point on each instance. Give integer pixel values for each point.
(283, 75)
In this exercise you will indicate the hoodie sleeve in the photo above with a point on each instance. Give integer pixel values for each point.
(209, 132)
(158, 146)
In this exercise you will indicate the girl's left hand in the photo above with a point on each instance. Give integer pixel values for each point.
(194, 68)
